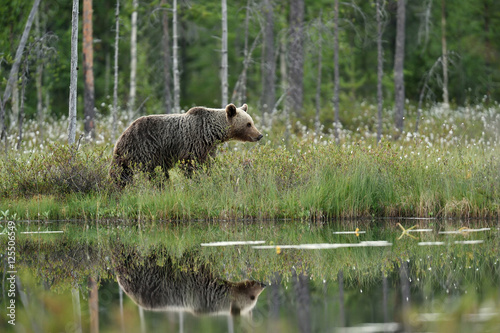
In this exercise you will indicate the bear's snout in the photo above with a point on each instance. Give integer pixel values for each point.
(259, 137)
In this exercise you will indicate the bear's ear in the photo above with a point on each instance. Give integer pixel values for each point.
(231, 110)
(244, 107)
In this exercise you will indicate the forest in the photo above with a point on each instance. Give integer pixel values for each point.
(384, 101)
(280, 55)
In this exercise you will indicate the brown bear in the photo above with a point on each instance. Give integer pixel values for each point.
(164, 140)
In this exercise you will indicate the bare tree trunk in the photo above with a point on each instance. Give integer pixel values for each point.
(133, 60)
(107, 74)
(15, 98)
(39, 87)
(446, 101)
(317, 123)
(284, 85)
(15, 67)
(336, 79)
(239, 91)
(166, 59)
(243, 91)
(73, 75)
(224, 66)
(380, 67)
(115, 83)
(268, 66)
(21, 110)
(425, 87)
(177, 88)
(296, 56)
(88, 70)
(399, 57)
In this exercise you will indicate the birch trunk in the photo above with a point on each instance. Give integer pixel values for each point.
(133, 60)
(177, 88)
(73, 75)
(399, 56)
(380, 68)
(88, 70)
(336, 80)
(224, 66)
(115, 82)
(446, 101)
(15, 67)
(166, 60)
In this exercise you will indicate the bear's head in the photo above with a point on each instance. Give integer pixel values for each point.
(241, 126)
(244, 296)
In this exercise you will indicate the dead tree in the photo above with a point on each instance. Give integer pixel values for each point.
(88, 70)
(336, 78)
(115, 83)
(224, 65)
(15, 67)
(380, 4)
(73, 75)
(399, 58)
(166, 60)
(177, 88)
(133, 60)
(268, 64)
(296, 56)
(446, 100)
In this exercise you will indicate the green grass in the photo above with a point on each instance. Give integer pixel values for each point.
(306, 180)
(451, 168)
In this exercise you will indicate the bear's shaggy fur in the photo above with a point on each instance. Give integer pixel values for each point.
(164, 140)
(192, 288)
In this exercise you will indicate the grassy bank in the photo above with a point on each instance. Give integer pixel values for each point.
(306, 180)
(449, 169)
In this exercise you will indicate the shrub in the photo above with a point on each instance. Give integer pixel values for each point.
(61, 169)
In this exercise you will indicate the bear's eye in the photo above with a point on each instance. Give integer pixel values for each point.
(252, 297)
(249, 125)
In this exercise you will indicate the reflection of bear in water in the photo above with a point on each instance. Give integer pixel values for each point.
(170, 287)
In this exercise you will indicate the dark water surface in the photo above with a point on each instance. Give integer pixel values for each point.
(285, 276)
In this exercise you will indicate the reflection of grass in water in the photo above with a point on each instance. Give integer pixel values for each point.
(65, 261)
(87, 250)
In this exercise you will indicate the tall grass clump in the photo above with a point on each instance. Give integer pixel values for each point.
(59, 170)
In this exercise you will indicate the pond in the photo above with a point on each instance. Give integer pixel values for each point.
(406, 275)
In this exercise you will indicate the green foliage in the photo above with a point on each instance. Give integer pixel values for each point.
(60, 171)
(473, 68)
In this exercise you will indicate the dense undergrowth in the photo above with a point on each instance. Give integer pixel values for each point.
(451, 168)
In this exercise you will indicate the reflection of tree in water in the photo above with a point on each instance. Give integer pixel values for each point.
(160, 282)
(303, 299)
(63, 264)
